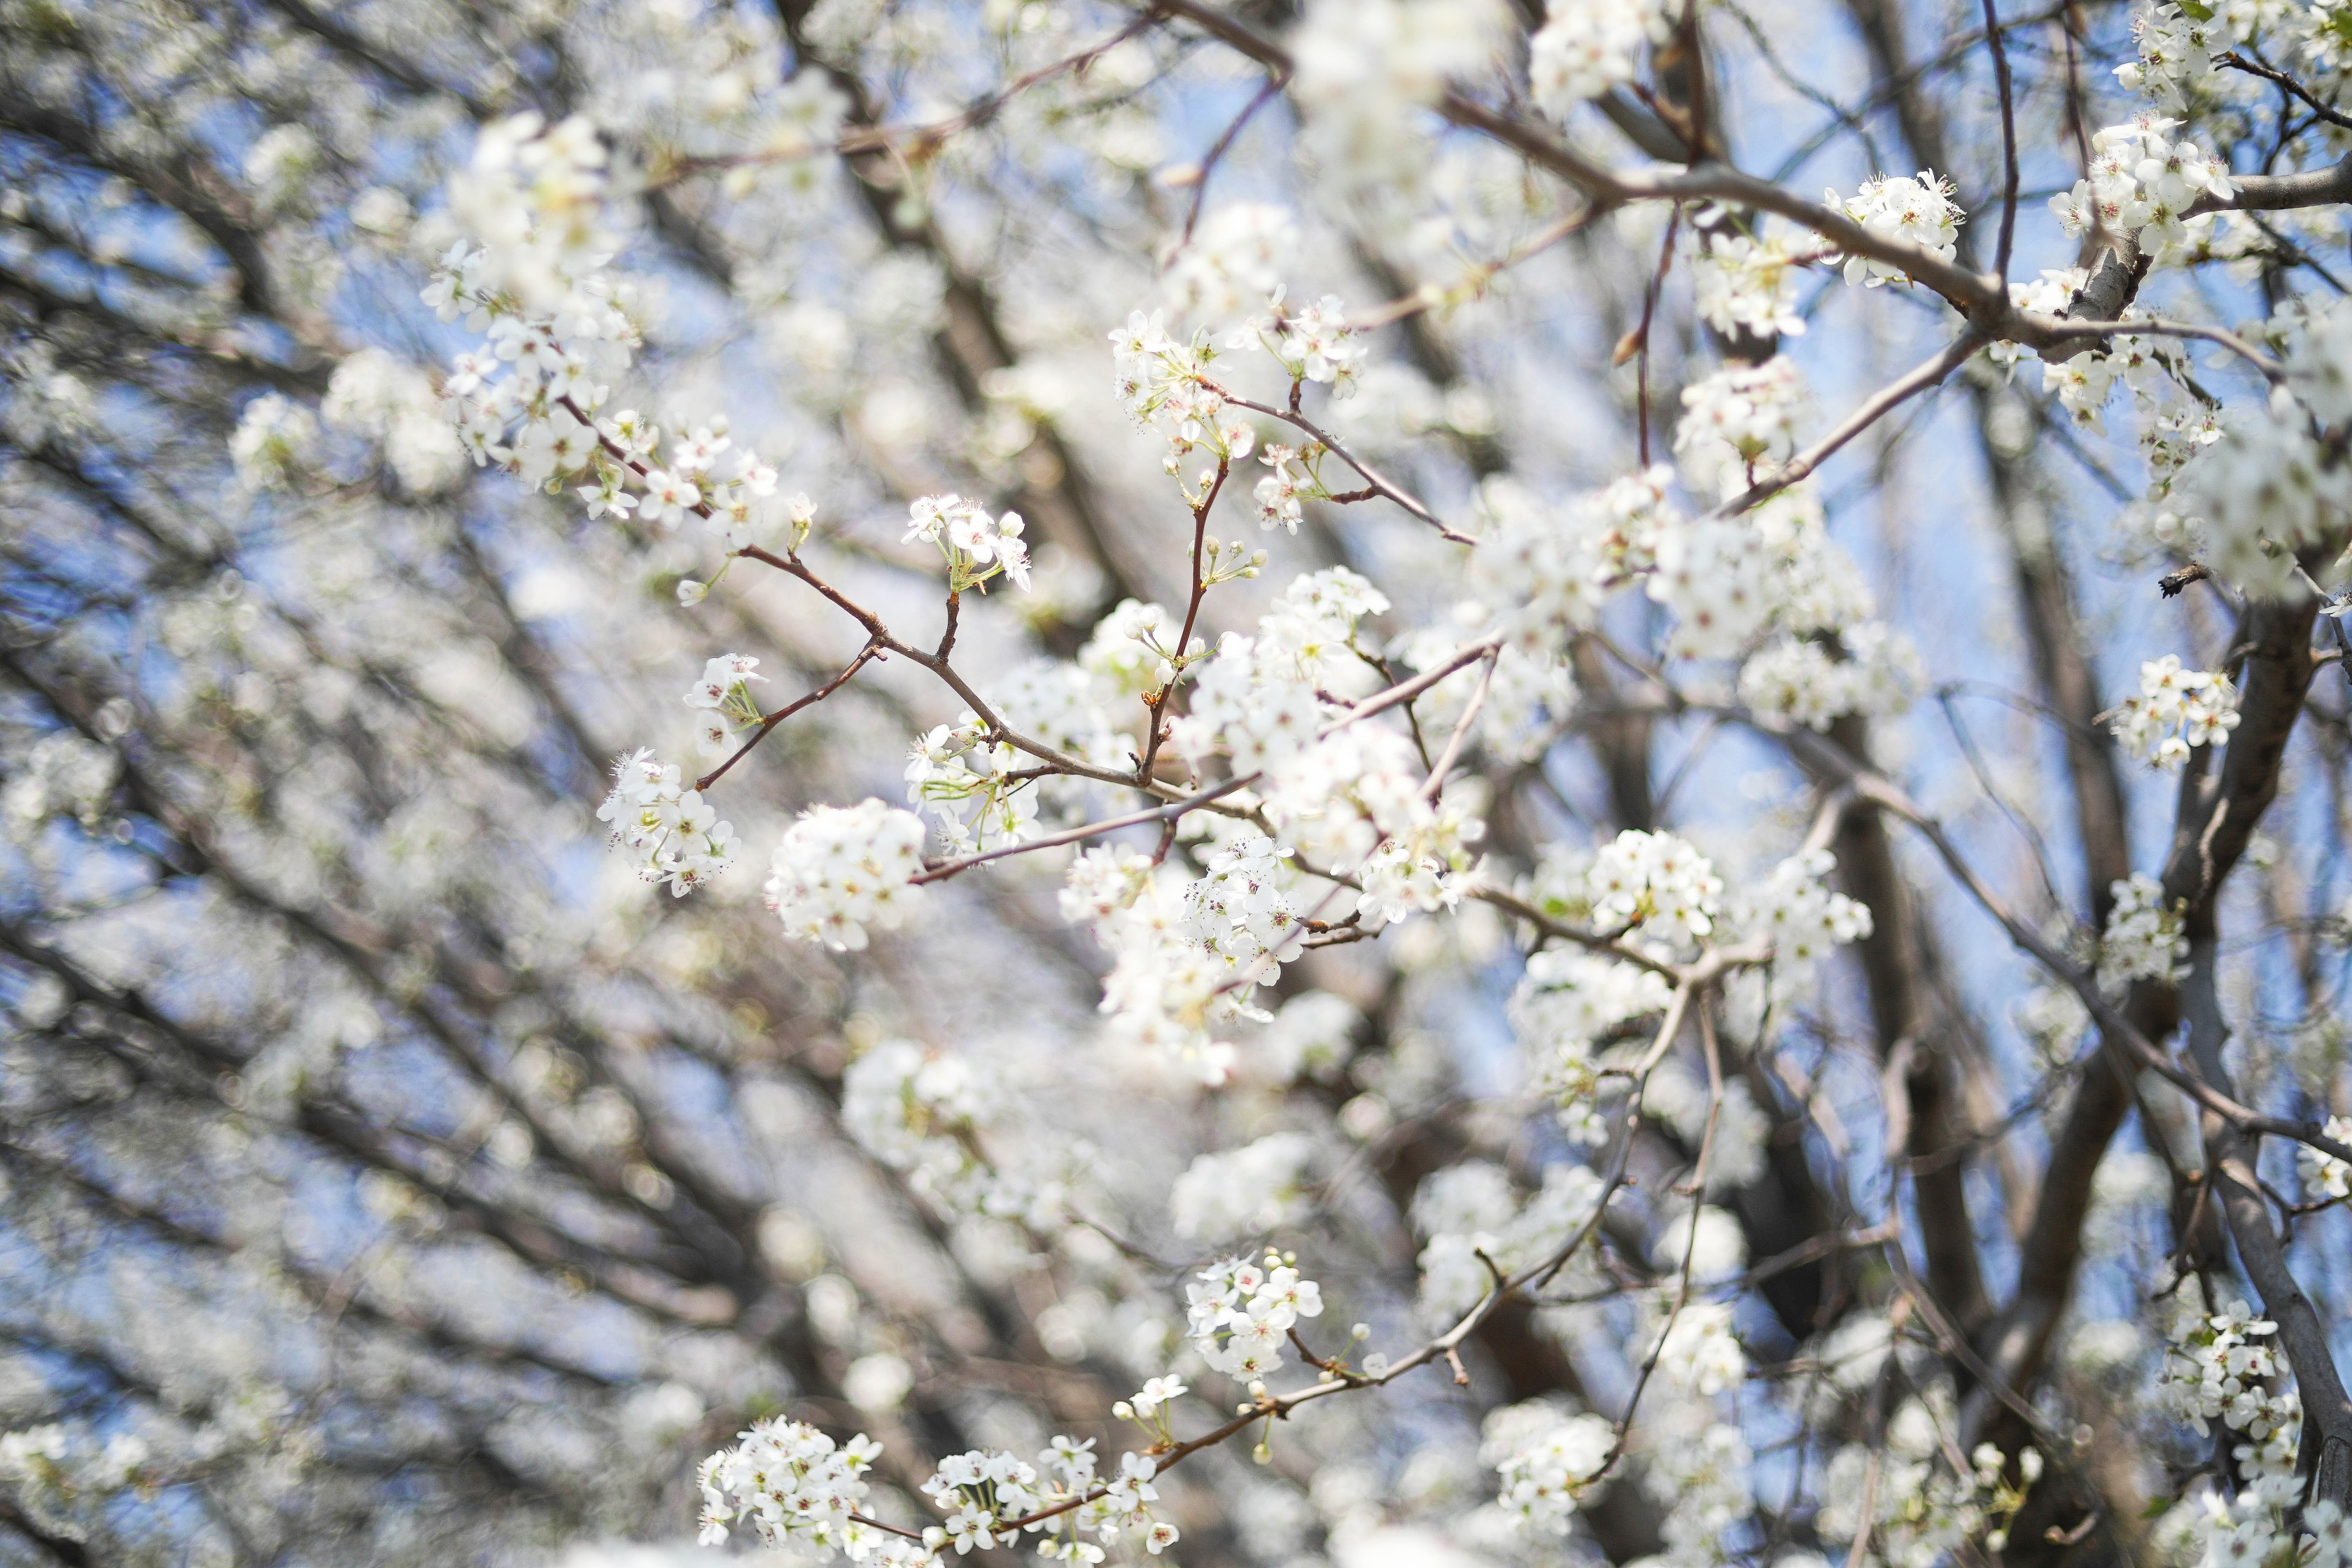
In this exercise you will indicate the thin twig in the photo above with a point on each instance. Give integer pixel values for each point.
(2008, 142)
(2057, 329)
(911, 144)
(1169, 813)
(1217, 152)
(1887, 399)
(873, 650)
(2237, 61)
(1371, 476)
(1445, 762)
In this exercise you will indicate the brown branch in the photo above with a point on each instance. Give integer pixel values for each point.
(2008, 142)
(873, 650)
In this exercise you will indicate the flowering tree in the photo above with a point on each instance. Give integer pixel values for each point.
(1437, 872)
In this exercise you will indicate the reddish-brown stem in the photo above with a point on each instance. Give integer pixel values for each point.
(873, 650)
(1192, 617)
(1168, 814)
(947, 637)
(1381, 484)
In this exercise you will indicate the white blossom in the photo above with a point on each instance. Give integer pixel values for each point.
(1251, 1189)
(2175, 710)
(671, 831)
(2143, 940)
(1918, 211)
(791, 1485)
(840, 869)
(1546, 1479)
(1587, 46)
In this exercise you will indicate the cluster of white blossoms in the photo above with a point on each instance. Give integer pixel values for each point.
(2220, 1366)
(1239, 1312)
(1920, 1510)
(1807, 682)
(1223, 1196)
(1367, 71)
(2175, 427)
(276, 437)
(1572, 1009)
(1748, 282)
(1164, 383)
(793, 1487)
(1587, 46)
(1544, 570)
(2143, 940)
(1423, 863)
(2331, 1175)
(1233, 261)
(723, 699)
(990, 1498)
(1655, 887)
(1815, 599)
(1567, 1004)
(1189, 953)
(967, 783)
(2142, 184)
(1311, 342)
(1102, 881)
(1355, 797)
(1474, 1224)
(561, 329)
(1132, 651)
(976, 543)
(1543, 573)
(1245, 905)
(2176, 710)
(1697, 1470)
(2175, 46)
(1549, 1471)
(1741, 417)
(1697, 1351)
(923, 1112)
(1921, 211)
(1295, 477)
(1793, 906)
(983, 1492)
(2264, 489)
(672, 832)
(2225, 1366)
(388, 400)
(840, 869)
(1356, 801)
(1167, 992)
(2318, 338)
(1710, 572)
